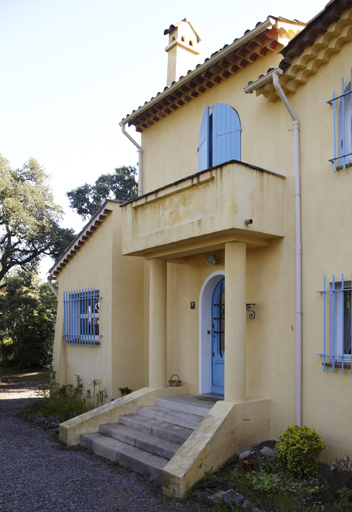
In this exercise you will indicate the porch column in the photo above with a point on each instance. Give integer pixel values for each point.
(235, 322)
(157, 324)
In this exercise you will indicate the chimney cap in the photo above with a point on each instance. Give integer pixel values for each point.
(174, 26)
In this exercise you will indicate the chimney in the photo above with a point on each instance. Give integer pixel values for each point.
(181, 50)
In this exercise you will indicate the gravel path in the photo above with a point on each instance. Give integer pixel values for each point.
(39, 474)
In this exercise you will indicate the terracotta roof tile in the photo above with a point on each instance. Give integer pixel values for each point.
(220, 66)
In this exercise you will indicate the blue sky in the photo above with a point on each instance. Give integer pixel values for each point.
(72, 69)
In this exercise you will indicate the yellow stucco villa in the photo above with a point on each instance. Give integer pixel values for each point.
(243, 196)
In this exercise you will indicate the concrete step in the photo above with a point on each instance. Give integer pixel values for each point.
(191, 404)
(182, 419)
(161, 429)
(145, 441)
(139, 460)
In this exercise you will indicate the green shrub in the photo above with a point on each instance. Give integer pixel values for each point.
(269, 483)
(125, 391)
(298, 449)
(61, 403)
(345, 504)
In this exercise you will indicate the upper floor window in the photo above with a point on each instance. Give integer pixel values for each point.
(219, 136)
(342, 126)
(337, 324)
(81, 317)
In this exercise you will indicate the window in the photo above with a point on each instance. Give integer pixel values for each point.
(219, 136)
(342, 126)
(81, 317)
(337, 322)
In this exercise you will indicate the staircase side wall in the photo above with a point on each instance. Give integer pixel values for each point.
(70, 430)
(228, 428)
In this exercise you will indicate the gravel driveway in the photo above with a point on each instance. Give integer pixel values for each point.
(39, 474)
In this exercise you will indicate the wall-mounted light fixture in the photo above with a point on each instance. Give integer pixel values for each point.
(211, 259)
(251, 313)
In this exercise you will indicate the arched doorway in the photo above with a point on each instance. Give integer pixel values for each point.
(205, 330)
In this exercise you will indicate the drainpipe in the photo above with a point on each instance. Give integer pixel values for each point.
(274, 76)
(140, 174)
(52, 287)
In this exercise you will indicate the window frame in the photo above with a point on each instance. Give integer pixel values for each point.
(337, 324)
(81, 322)
(342, 126)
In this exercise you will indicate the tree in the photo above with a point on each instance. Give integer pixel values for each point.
(62, 237)
(27, 319)
(87, 199)
(29, 217)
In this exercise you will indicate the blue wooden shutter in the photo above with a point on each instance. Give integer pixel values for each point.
(203, 148)
(226, 138)
(344, 144)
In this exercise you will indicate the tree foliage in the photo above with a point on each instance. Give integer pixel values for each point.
(29, 218)
(61, 238)
(27, 320)
(121, 184)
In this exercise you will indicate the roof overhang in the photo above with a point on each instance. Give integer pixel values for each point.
(268, 36)
(324, 35)
(96, 220)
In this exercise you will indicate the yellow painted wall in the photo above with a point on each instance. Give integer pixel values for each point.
(270, 343)
(128, 350)
(170, 146)
(185, 281)
(118, 360)
(326, 245)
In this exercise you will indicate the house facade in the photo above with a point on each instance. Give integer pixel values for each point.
(256, 184)
(224, 198)
(244, 196)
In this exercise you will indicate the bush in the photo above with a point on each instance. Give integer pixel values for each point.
(61, 403)
(298, 449)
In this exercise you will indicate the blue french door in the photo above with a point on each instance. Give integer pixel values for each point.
(218, 338)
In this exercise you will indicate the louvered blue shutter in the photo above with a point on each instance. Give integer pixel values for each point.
(226, 137)
(344, 140)
(204, 139)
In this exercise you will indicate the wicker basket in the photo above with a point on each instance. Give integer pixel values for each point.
(175, 382)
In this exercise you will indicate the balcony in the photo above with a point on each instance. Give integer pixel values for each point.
(204, 211)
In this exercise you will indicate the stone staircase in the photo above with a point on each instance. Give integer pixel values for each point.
(146, 441)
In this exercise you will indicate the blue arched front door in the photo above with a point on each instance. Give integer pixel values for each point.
(218, 338)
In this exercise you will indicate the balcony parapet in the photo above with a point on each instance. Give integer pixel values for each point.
(235, 201)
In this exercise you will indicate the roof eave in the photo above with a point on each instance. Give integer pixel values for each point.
(82, 237)
(267, 24)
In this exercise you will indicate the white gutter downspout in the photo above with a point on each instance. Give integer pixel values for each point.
(298, 245)
(52, 287)
(274, 76)
(140, 173)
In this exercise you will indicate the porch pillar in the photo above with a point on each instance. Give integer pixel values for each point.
(157, 324)
(235, 322)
